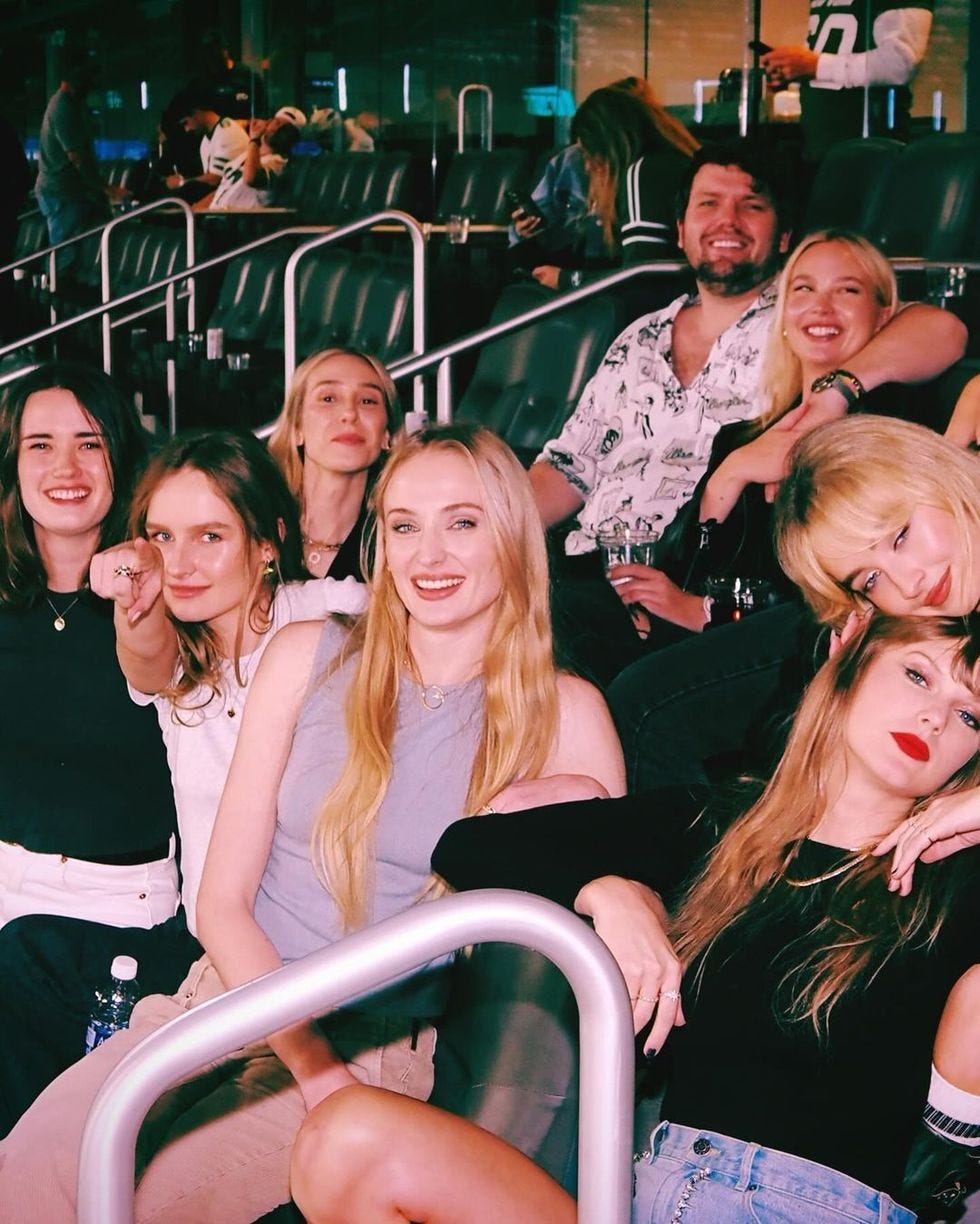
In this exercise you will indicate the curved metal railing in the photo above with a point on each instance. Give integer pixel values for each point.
(360, 964)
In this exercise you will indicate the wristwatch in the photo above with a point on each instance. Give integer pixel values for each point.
(848, 384)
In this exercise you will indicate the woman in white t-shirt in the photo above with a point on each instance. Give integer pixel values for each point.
(200, 591)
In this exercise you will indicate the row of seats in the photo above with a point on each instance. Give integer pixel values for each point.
(920, 200)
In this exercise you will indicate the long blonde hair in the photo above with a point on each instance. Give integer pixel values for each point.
(856, 481)
(864, 924)
(521, 706)
(283, 445)
(781, 379)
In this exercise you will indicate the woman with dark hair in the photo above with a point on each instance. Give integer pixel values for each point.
(811, 990)
(87, 867)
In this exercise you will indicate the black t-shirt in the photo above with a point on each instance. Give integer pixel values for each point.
(737, 1066)
(83, 770)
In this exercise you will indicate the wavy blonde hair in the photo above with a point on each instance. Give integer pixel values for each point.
(781, 379)
(283, 446)
(864, 924)
(521, 714)
(856, 481)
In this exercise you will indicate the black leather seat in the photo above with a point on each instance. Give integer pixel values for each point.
(477, 183)
(849, 184)
(526, 384)
(930, 204)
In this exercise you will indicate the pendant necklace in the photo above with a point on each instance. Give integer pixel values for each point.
(829, 875)
(314, 549)
(59, 617)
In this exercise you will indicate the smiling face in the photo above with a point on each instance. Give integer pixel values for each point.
(921, 569)
(439, 545)
(911, 725)
(343, 421)
(831, 311)
(209, 566)
(63, 469)
(729, 231)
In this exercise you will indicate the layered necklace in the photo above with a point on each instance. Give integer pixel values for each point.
(61, 618)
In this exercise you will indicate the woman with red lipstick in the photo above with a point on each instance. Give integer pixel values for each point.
(87, 868)
(358, 747)
(340, 416)
(803, 976)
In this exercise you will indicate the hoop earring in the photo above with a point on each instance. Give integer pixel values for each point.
(269, 570)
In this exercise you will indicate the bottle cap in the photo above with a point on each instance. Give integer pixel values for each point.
(124, 968)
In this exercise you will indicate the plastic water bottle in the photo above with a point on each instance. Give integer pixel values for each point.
(113, 1003)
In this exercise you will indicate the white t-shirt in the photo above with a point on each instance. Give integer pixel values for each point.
(200, 743)
(222, 145)
(234, 192)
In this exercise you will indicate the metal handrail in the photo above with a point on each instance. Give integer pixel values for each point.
(106, 270)
(358, 965)
(442, 357)
(419, 303)
(164, 282)
(486, 117)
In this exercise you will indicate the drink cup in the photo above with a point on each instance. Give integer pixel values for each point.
(458, 228)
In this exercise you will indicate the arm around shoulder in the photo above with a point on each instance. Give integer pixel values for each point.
(918, 344)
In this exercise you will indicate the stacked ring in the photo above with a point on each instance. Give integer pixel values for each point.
(673, 995)
(124, 571)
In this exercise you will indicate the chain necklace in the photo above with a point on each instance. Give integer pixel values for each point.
(314, 549)
(830, 875)
(60, 617)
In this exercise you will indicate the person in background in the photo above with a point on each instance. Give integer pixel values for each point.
(248, 181)
(70, 191)
(853, 44)
(634, 154)
(222, 140)
(340, 416)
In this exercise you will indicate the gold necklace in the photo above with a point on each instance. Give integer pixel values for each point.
(314, 549)
(59, 617)
(829, 875)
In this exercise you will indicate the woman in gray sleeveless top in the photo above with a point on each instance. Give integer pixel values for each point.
(357, 748)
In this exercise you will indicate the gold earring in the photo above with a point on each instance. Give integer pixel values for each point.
(269, 570)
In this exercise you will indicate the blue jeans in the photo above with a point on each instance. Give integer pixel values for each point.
(698, 1177)
(67, 216)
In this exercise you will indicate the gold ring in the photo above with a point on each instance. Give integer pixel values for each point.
(124, 571)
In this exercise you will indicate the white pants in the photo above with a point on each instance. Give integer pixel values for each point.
(139, 895)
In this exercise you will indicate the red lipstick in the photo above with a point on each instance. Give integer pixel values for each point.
(911, 745)
(940, 592)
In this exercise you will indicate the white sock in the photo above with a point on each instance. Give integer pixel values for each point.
(952, 1113)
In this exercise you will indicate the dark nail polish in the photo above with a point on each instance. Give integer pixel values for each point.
(649, 1055)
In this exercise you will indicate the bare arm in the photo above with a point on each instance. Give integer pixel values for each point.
(587, 740)
(240, 845)
(919, 343)
(146, 642)
(556, 498)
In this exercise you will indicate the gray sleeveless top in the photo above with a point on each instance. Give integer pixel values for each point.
(432, 759)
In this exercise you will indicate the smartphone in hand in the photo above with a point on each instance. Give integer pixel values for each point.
(522, 201)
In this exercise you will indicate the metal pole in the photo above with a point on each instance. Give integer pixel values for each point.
(171, 337)
(444, 392)
(419, 303)
(358, 965)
